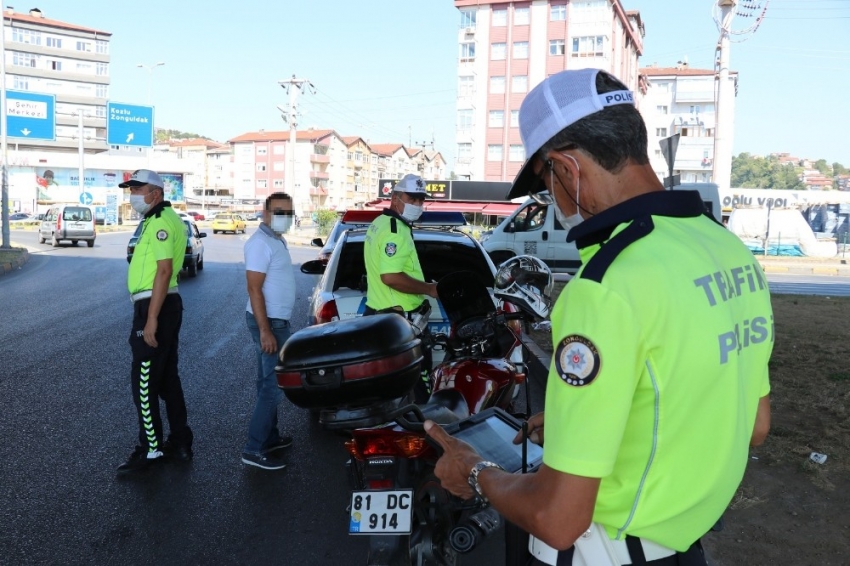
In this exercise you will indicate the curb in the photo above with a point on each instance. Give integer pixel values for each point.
(15, 264)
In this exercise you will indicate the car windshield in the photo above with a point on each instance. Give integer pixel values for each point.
(224, 217)
(437, 258)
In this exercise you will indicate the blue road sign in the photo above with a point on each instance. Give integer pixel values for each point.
(30, 115)
(127, 124)
(86, 198)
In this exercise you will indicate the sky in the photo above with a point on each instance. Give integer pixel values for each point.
(386, 70)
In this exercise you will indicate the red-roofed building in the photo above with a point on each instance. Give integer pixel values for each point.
(66, 60)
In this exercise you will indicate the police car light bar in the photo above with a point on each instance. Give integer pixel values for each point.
(440, 218)
(360, 216)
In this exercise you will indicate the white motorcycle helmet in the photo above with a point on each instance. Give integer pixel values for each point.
(525, 281)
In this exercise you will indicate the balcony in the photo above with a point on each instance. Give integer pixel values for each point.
(318, 191)
(319, 175)
(319, 158)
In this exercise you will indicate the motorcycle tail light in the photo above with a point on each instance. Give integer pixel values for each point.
(387, 442)
(411, 446)
(515, 325)
(380, 484)
(327, 313)
(351, 446)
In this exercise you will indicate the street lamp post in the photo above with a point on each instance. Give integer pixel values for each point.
(150, 69)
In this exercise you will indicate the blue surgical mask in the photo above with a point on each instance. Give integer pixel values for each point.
(411, 212)
(568, 222)
(139, 205)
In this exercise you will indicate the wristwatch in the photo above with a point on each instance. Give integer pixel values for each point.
(473, 478)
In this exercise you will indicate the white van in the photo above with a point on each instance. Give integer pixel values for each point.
(533, 229)
(72, 222)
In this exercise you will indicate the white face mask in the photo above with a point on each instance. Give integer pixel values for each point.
(568, 222)
(281, 223)
(411, 212)
(139, 205)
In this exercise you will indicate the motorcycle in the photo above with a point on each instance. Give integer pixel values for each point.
(396, 499)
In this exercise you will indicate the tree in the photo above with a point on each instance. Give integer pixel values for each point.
(822, 166)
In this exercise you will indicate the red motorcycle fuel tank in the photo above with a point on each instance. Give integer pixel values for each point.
(482, 382)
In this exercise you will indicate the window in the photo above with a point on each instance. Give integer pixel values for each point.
(84, 68)
(520, 50)
(497, 119)
(100, 111)
(500, 18)
(54, 42)
(102, 69)
(519, 83)
(464, 152)
(497, 51)
(467, 51)
(709, 132)
(517, 153)
(558, 13)
(494, 152)
(694, 108)
(21, 83)
(521, 16)
(83, 46)
(262, 150)
(663, 87)
(464, 119)
(261, 167)
(277, 183)
(262, 184)
(590, 46)
(557, 47)
(660, 109)
(466, 85)
(26, 36)
(661, 132)
(514, 118)
(101, 46)
(23, 59)
(277, 150)
(497, 85)
(467, 18)
(101, 91)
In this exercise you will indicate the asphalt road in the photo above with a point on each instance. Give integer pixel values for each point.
(67, 421)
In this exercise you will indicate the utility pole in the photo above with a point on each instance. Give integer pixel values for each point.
(722, 173)
(293, 86)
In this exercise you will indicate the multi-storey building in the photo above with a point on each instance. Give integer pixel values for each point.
(507, 48)
(66, 60)
(194, 152)
(681, 100)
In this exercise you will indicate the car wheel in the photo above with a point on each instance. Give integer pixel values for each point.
(193, 268)
(90, 243)
(74, 242)
(53, 241)
(215, 231)
(200, 263)
(40, 238)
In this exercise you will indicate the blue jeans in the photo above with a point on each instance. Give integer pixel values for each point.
(262, 430)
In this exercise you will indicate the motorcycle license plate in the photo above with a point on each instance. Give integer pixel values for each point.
(381, 512)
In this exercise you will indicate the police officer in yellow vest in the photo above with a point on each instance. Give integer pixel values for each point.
(659, 378)
(157, 317)
(394, 277)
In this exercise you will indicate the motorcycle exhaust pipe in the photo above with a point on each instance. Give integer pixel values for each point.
(469, 534)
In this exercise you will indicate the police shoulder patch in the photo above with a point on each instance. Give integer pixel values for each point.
(390, 249)
(162, 235)
(577, 360)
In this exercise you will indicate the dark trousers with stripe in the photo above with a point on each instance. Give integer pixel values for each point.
(693, 556)
(154, 375)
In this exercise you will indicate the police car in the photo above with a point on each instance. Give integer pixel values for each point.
(442, 249)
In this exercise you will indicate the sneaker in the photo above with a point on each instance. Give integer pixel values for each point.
(179, 452)
(139, 460)
(262, 461)
(282, 442)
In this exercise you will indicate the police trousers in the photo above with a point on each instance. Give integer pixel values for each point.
(154, 375)
(693, 556)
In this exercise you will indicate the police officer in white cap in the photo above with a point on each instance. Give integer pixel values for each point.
(659, 378)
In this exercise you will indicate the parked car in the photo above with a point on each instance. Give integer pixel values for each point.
(72, 222)
(350, 220)
(197, 216)
(340, 293)
(193, 261)
(20, 216)
(228, 222)
(258, 216)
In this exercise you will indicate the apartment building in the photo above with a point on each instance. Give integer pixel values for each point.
(194, 153)
(507, 48)
(681, 100)
(69, 61)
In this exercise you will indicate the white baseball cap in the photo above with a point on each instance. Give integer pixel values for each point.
(559, 101)
(143, 177)
(412, 185)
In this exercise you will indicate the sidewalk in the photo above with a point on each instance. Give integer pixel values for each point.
(806, 265)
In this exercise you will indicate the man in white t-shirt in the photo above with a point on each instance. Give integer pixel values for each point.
(271, 296)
